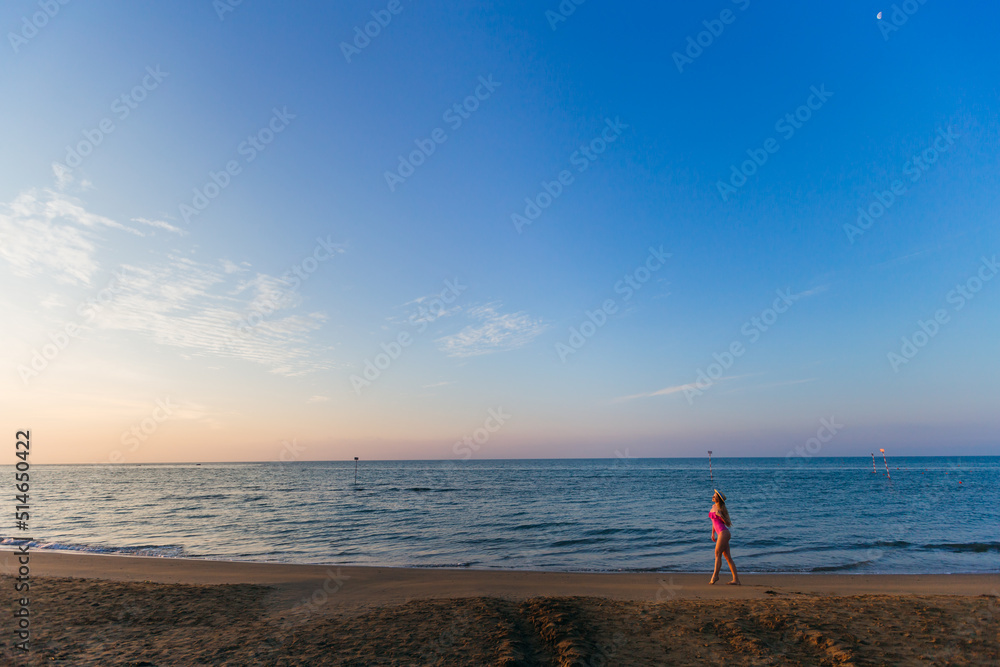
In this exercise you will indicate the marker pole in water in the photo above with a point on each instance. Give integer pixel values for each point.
(710, 465)
(355, 469)
(886, 464)
(873, 463)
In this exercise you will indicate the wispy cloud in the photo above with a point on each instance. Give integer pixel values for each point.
(46, 233)
(197, 307)
(813, 291)
(494, 332)
(160, 224)
(437, 384)
(676, 389)
(666, 391)
(428, 308)
(65, 178)
(189, 305)
(317, 399)
(232, 267)
(909, 257)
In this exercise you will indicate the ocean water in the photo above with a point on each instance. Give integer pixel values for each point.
(934, 515)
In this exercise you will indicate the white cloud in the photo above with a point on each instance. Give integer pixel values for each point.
(676, 389)
(428, 308)
(63, 174)
(666, 391)
(317, 399)
(65, 178)
(46, 233)
(819, 289)
(160, 224)
(189, 305)
(201, 308)
(496, 332)
(53, 300)
(232, 267)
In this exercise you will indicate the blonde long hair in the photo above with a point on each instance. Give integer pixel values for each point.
(723, 512)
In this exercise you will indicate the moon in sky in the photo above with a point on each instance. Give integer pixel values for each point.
(879, 16)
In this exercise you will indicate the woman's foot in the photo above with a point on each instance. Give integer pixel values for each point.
(714, 579)
(735, 583)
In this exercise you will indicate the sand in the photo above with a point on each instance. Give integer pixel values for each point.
(107, 610)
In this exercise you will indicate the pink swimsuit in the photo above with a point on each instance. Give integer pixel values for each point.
(717, 521)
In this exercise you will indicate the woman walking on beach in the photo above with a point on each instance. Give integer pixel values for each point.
(720, 526)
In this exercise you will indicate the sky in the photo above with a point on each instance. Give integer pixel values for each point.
(266, 231)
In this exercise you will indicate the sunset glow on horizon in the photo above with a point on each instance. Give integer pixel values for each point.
(480, 233)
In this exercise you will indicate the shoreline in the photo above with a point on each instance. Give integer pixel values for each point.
(100, 609)
(6, 549)
(368, 585)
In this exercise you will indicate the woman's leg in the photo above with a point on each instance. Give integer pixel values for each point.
(729, 559)
(718, 559)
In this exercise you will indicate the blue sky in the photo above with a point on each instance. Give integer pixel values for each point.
(254, 314)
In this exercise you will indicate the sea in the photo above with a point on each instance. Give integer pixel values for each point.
(796, 514)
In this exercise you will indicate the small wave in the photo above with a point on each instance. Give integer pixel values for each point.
(158, 550)
(587, 540)
(897, 544)
(536, 526)
(425, 489)
(622, 531)
(763, 543)
(975, 547)
(840, 568)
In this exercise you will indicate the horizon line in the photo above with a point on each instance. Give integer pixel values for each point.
(485, 460)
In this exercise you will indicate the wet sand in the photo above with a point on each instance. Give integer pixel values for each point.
(103, 610)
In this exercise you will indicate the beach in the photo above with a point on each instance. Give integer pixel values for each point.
(89, 609)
